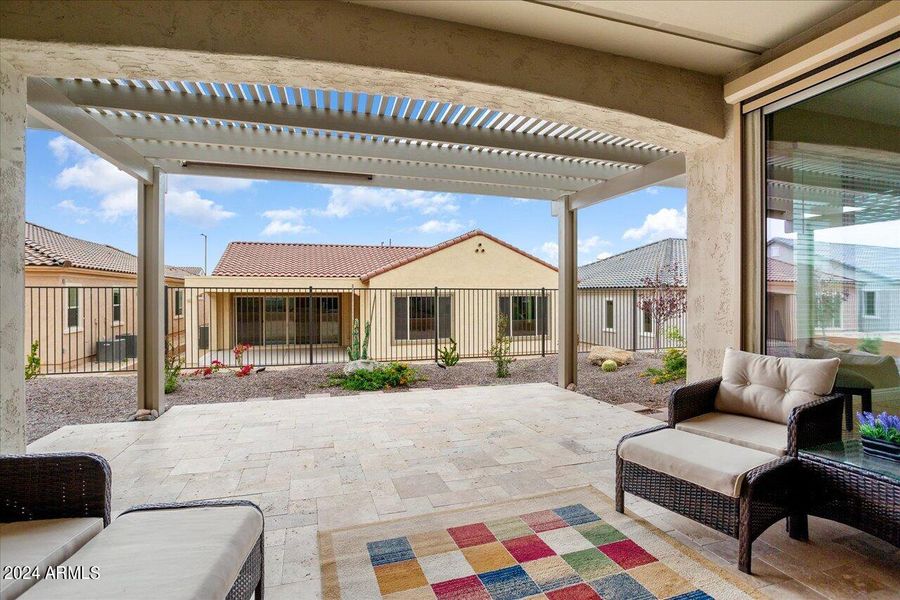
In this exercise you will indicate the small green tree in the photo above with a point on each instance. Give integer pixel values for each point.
(359, 348)
(33, 361)
(172, 368)
(448, 355)
(501, 350)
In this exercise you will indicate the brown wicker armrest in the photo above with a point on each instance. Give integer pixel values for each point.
(815, 423)
(692, 400)
(54, 486)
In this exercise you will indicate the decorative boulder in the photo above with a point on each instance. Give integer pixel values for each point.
(599, 354)
(609, 366)
(360, 365)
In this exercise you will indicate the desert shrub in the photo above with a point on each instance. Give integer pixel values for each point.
(674, 367)
(33, 361)
(609, 366)
(448, 355)
(872, 345)
(392, 375)
(501, 350)
(172, 369)
(673, 334)
(359, 347)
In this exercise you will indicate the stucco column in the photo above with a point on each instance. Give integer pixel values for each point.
(714, 251)
(568, 289)
(12, 259)
(151, 292)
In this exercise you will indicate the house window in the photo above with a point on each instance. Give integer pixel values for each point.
(73, 308)
(527, 314)
(415, 317)
(179, 303)
(117, 304)
(610, 314)
(646, 322)
(869, 304)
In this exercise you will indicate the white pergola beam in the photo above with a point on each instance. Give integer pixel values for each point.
(656, 173)
(190, 132)
(151, 101)
(176, 167)
(252, 157)
(51, 107)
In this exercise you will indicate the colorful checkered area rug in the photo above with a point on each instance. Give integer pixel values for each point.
(569, 545)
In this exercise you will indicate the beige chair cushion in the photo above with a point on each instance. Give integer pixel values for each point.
(43, 543)
(714, 465)
(177, 554)
(758, 434)
(768, 387)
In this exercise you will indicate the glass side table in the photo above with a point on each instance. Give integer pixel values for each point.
(841, 483)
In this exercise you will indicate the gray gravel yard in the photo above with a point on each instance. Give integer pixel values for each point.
(55, 401)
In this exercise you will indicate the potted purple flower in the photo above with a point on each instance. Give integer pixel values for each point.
(880, 434)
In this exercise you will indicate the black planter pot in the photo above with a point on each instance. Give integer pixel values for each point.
(881, 449)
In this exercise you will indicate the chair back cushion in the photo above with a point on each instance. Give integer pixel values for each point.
(769, 387)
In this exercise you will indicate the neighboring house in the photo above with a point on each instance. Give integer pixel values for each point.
(610, 292)
(871, 276)
(294, 297)
(79, 295)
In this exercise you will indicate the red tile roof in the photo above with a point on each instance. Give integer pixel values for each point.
(264, 259)
(47, 248)
(779, 270)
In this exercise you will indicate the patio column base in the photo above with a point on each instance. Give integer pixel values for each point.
(144, 414)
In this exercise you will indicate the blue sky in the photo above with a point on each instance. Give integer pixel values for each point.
(79, 194)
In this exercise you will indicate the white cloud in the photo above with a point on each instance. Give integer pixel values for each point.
(63, 148)
(652, 191)
(436, 226)
(603, 255)
(346, 200)
(190, 205)
(587, 245)
(666, 222)
(549, 251)
(286, 221)
(117, 191)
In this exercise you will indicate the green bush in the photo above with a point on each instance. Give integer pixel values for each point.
(501, 350)
(33, 361)
(392, 375)
(448, 355)
(674, 367)
(872, 345)
(609, 366)
(172, 369)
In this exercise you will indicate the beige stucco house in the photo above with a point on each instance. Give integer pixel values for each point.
(80, 296)
(296, 303)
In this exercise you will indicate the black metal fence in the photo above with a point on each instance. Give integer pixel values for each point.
(84, 329)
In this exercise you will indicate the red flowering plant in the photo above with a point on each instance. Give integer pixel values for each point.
(207, 372)
(243, 371)
(239, 351)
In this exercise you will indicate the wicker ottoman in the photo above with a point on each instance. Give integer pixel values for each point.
(736, 490)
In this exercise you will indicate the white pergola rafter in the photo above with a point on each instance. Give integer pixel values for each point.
(150, 129)
(239, 110)
(254, 157)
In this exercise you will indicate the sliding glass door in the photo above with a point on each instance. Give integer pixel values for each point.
(832, 269)
(283, 320)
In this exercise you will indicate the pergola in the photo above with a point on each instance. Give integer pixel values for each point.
(150, 128)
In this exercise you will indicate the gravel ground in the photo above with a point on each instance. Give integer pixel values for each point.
(56, 401)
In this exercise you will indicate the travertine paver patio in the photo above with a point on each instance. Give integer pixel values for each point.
(330, 462)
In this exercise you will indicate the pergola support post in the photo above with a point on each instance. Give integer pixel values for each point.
(151, 293)
(568, 290)
(12, 259)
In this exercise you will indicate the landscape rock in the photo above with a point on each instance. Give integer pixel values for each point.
(360, 365)
(598, 354)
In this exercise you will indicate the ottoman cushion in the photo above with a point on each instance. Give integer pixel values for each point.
(709, 463)
(41, 543)
(737, 429)
(179, 554)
